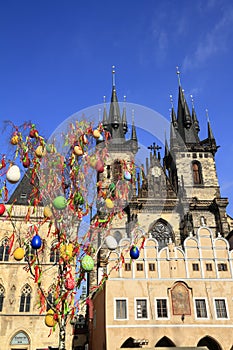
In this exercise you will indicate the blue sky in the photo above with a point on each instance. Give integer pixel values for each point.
(56, 59)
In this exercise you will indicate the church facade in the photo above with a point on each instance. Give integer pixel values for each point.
(178, 292)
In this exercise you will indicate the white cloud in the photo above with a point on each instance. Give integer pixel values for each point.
(214, 42)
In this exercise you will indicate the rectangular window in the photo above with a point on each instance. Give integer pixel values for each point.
(220, 306)
(139, 267)
(141, 305)
(127, 267)
(208, 267)
(201, 310)
(222, 267)
(121, 309)
(195, 267)
(162, 308)
(151, 267)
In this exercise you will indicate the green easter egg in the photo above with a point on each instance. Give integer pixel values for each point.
(87, 263)
(59, 203)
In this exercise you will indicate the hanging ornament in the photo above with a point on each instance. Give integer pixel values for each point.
(13, 174)
(101, 138)
(19, 253)
(127, 175)
(69, 283)
(26, 161)
(36, 242)
(33, 132)
(40, 151)
(96, 133)
(87, 263)
(66, 251)
(109, 203)
(48, 212)
(15, 139)
(78, 150)
(49, 319)
(99, 166)
(2, 209)
(111, 242)
(134, 252)
(59, 203)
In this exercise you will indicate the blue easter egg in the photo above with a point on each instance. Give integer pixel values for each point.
(134, 252)
(36, 242)
(101, 138)
(127, 175)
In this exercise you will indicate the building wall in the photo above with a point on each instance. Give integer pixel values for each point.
(13, 277)
(173, 268)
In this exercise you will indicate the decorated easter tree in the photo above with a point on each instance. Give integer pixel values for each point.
(64, 174)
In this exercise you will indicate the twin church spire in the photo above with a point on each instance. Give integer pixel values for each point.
(186, 124)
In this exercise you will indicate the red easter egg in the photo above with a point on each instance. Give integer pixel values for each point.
(2, 209)
(70, 283)
(99, 166)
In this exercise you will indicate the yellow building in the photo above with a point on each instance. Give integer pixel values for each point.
(22, 326)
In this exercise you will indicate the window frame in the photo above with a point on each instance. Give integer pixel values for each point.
(222, 267)
(226, 309)
(126, 309)
(2, 296)
(206, 308)
(156, 308)
(136, 299)
(209, 267)
(25, 299)
(4, 247)
(194, 265)
(149, 267)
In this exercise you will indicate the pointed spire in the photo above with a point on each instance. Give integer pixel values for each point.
(210, 132)
(114, 114)
(124, 118)
(134, 138)
(194, 116)
(173, 114)
(105, 117)
(178, 75)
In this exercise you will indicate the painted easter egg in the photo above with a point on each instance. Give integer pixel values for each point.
(101, 138)
(96, 133)
(2, 209)
(59, 203)
(78, 150)
(48, 212)
(127, 175)
(49, 319)
(66, 251)
(87, 263)
(111, 242)
(15, 139)
(109, 203)
(19, 253)
(36, 242)
(40, 151)
(134, 252)
(13, 174)
(70, 283)
(100, 166)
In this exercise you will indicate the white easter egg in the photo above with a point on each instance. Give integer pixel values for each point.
(13, 174)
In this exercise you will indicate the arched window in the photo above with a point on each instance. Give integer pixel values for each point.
(4, 250)
(54, 253)
(25, 299)
(162, 232)
(197, 173)
(117, 171)
(210, 343)
(2, 292)
(165, 342)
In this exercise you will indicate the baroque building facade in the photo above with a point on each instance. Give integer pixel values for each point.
(178, 293)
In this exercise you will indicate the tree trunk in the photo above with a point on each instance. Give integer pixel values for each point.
(62, 334)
